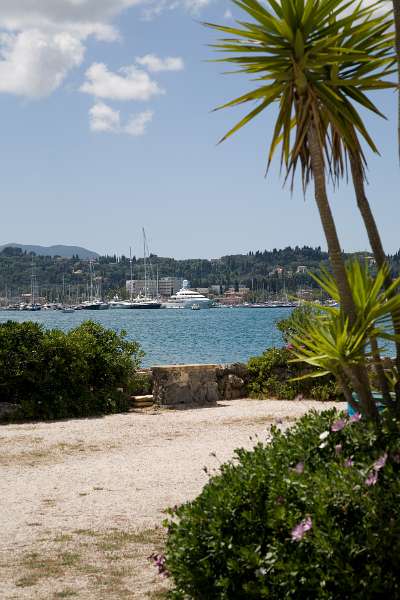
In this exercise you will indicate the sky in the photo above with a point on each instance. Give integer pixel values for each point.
(107, 127)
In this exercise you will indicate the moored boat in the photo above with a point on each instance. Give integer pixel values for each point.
(186, 298)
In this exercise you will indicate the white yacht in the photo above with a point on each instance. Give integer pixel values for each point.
(187, 298)
(117, 303)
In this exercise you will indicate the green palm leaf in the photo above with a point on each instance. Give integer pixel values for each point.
(317, 58)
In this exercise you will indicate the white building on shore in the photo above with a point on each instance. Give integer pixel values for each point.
(167, 286)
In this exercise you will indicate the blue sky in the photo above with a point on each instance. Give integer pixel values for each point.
(106, 127)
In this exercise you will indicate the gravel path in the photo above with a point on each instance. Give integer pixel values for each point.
(115, 473)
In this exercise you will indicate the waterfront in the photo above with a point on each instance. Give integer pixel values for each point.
(179, 336)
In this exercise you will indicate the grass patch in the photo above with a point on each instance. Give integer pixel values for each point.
(67, 593)
(108, 564)
(30, 455)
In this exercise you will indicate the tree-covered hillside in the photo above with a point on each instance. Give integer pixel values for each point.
(261, 269)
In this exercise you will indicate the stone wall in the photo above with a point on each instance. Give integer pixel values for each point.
(201, 385)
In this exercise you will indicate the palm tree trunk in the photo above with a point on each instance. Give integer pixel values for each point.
(376, 245)
(329, 227)
(359, 378)
(396, 9)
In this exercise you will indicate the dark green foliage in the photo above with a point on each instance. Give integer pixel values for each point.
(254, 269)
(141, 384)
(235, 541)
(52, 374)
(271, 376)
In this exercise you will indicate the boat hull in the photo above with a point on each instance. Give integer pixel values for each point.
(146, 305)
(102, 306)
(188, 304)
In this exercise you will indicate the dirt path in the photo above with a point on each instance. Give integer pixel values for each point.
(82, 501)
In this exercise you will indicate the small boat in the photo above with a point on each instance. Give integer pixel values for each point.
(94, 305)
(145, 302)
(68, 309)
(32, 307)
(195, 307)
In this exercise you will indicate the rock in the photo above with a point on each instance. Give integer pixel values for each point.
(232, 381)
(142, 401)
(234, 387)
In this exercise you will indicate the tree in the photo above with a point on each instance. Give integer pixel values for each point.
(309, 57)
(396, 10)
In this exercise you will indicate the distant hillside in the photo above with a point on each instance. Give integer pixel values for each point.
(58, 250)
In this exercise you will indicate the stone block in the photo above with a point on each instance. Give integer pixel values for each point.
(185, 385)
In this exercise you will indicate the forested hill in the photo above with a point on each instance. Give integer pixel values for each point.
(252, 269)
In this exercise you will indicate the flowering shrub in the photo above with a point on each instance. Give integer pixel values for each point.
(313, 514)
(271, 376)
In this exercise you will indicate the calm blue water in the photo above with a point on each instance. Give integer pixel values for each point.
(180, 336)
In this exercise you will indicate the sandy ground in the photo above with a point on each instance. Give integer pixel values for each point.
(82, 501)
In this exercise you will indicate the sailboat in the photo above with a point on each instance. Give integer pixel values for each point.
(33, 305)
(116, 302)
(94, 302)
(145, 301)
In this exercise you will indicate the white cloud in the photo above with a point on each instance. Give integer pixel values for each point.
(34, 63)
(83, 17)
(130, 83)
(137, 123)
(155, 64)
(228, 14)
(104, 119)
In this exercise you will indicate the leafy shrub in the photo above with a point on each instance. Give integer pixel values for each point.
(313, 514)
(271, 375)
(296, 320)
(52, 374)
(141, 384)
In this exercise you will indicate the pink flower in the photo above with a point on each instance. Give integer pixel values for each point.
(299, 468)
(290, 347)
(372, 478)
(299, 531)
(338, 448)
(380, 463)
(338, 425)
(348, 462)
(159, 562)
(355, 418)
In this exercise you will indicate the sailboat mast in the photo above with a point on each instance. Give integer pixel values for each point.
(33, 284)
(91, 280)
(145, 264)
(131, 286)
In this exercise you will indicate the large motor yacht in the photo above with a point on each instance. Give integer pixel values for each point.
(186, 298)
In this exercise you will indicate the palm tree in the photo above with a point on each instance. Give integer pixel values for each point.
(308, 56)
(396, 10)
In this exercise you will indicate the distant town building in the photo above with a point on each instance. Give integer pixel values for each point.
(301, 269)
(166, 286)
(216, 289)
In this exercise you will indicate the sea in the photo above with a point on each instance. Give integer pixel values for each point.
(223, 335)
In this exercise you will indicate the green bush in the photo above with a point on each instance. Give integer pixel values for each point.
(52, 374)
(271, 376)
(313, 514)
(301, 315)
